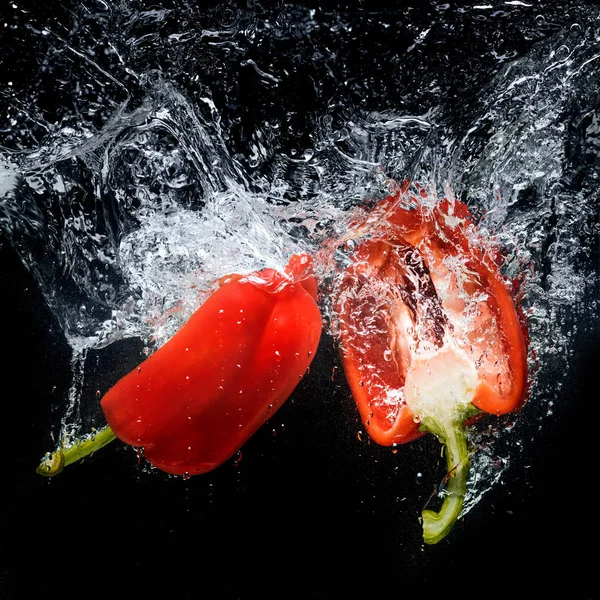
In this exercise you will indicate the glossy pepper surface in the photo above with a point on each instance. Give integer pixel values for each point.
(194, 402)
(429, 332)
(197, 399)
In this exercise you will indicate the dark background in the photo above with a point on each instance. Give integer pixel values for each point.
(309, 511)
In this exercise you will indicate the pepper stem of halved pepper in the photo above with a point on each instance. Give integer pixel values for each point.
(436, 525)
(439, 388)
(53, 463)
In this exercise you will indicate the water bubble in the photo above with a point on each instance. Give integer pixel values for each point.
(308, 155)
(562, 53)
(228, 16)
(576, 29)
(387, 355)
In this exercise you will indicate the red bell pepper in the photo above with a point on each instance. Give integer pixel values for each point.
(429, 333)
(194, 402)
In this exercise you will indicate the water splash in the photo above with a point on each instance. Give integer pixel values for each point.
(143, 180)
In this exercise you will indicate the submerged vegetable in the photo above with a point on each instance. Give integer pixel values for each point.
(194, 402)
(429, 333)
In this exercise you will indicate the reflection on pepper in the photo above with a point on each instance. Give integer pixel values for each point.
(429, 333)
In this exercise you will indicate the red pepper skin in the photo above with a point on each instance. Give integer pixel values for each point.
(194, 402)
(425, 263)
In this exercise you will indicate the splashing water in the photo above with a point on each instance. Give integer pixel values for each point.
(130, 199)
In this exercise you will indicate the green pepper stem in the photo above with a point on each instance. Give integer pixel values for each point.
(437, 525)
(53, 464)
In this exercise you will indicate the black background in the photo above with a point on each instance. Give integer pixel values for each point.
(310, 511)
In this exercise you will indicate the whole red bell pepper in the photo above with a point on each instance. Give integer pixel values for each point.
(194, 402)
(429, 333)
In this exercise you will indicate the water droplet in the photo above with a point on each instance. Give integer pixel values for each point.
(417, 418)
(270, 407)
(139, 370)
(277, 356)
(387, 355)
(359, 436)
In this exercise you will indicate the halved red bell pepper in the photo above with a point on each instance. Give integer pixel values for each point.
(429, 332)
(194, 402)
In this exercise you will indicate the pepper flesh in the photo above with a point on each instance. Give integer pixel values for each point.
(429, 333)
(195, 401)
